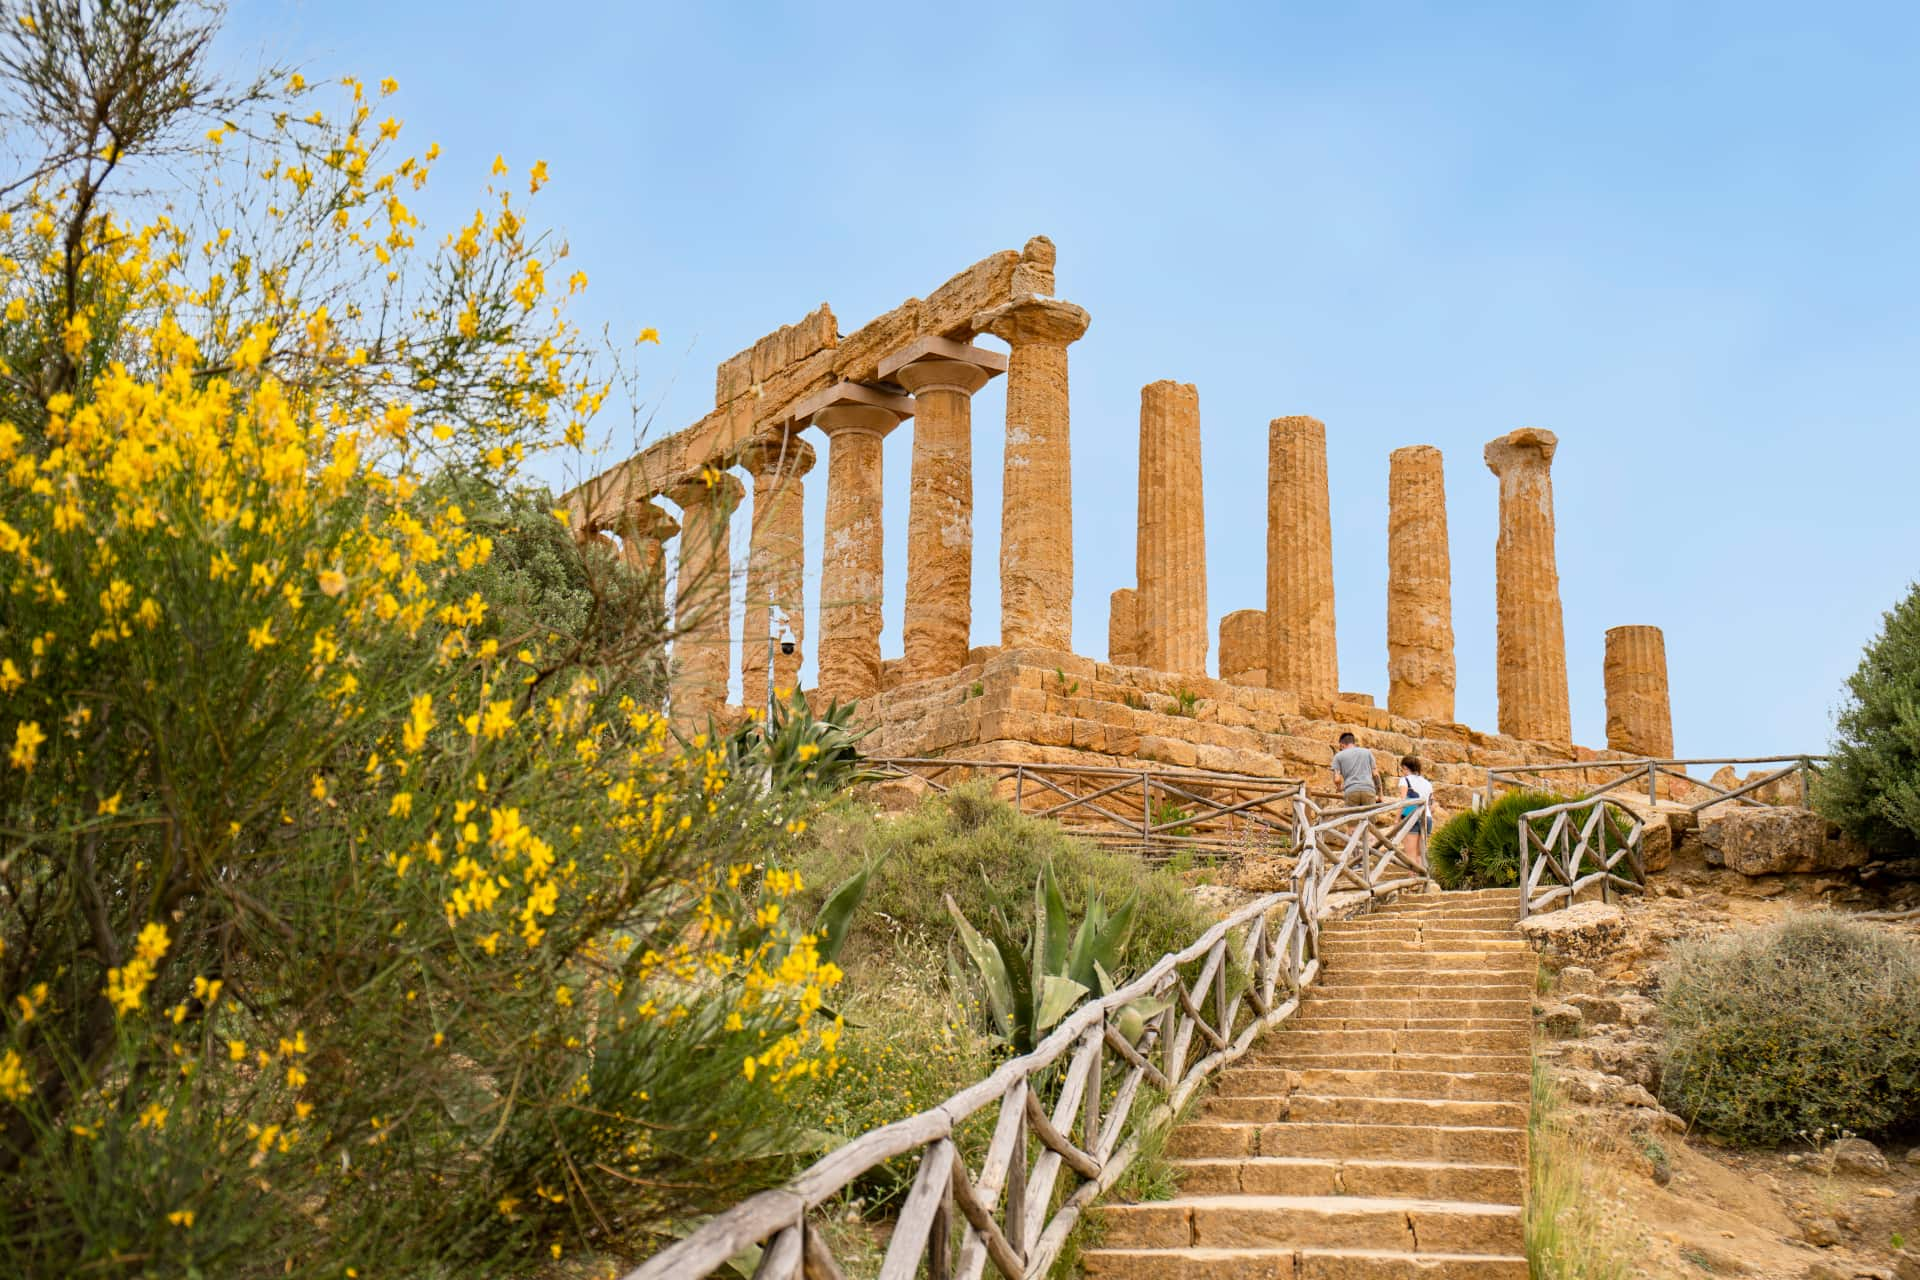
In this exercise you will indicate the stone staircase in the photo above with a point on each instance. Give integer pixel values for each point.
(1379, 1132)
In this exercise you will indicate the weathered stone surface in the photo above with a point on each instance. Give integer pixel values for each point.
(1559, 1020)
(1171, 547)
(1420, 671)
(1123, 628)
(1772, 841)
(1243, 647)
(1577, 935)
(1856, 1156)
(942, 375)
(1532, 643)
(1300, 635)
(703, 589)
(850, 570)
(1639, 716)
(790, 343)
(1036, 522)
(776, 563)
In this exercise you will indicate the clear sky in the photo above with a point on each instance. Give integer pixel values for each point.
(1682, 237)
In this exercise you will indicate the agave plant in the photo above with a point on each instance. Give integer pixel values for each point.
(798, 751)
(1026, 996)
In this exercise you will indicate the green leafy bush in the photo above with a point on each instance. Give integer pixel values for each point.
(1481, 850)
(969, 844)
(1800, 1026)
(1871, 787)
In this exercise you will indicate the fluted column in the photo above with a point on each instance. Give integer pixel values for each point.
(1301, 655)
(1420, 673)
(1123, 628)
(1036, 514)
(1532, 648)
(1170, 553)
(942, 375)
(1243, 647)
(702, 594)
(644, 530)
(776, 564)
(856, 420)
(1639, 715)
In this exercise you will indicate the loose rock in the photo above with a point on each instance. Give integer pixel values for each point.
(1578, 935)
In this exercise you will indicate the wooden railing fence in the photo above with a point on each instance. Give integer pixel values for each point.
(1157, 812)
(1055, 1114)
(1648, 772)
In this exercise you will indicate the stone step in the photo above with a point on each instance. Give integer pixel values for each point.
(1477, 1063)
(1361, 1020)
(1429, 935)
(1274, 1082)
(1286, 1040)
(1359, 1109)
(1417, 984)
(1290, 1264)
(1321, 1003)
(1477, 1144)
(1497, 961)
(1353, 1222)
(1331, 1176)
(1350, 944)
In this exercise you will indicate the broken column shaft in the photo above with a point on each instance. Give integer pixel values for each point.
(1171, 547)
(1420, 672)
(1532, 646)
(1639, 714)
(1301, 653)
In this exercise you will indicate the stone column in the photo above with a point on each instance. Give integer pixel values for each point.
(777, 562)
(1532, 648)
(942, 375)
(703, 594)
(1300, 640)
(1243, 647)
(1036, 514)
(644, 530)
(1123, 628)
(1419, 587)
(1170, 553)
(856, 420)
(1639, 716)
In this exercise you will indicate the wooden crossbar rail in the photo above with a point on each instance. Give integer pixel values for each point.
(956, 1222)
(1650, 769)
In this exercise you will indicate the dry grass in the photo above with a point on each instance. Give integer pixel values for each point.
(1573, 1233)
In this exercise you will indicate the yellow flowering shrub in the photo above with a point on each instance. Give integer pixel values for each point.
(354, 911)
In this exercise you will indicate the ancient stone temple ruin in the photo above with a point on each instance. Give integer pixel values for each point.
(1276, 707)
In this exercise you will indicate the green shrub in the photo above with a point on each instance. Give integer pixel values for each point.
(976, 847)
(1800, 1026)
(1481, 850)
(1871, 788)
(1448, 850)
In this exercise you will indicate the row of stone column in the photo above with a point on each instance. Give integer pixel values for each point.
(1161, 622)
(941, 375)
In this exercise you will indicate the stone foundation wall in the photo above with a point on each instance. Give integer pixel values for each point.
(1048, 707)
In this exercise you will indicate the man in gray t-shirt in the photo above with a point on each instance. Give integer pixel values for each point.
(1354, 773)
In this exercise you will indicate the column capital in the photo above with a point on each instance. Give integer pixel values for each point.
(851, 407)
(1516, 449)
(1043, 321)
(933, 363)
(644, 520)
(785, 456)
(709, 486)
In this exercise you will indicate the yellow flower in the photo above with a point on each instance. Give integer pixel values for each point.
(152, 942)
(538, 176)
(78, 333)
(110, 806)
(153, 1117)
(17, 310)
(13, 1078)
(262, 636)
(499, 165)
(649, 335)
(237, 1050)
(332, 583)
(181, 1218)
(10, 677)
(27, 737)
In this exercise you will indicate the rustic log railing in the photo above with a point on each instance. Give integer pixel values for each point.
(1055, 1112)
(1574, 852)
(1155, 811)
(1647, 772)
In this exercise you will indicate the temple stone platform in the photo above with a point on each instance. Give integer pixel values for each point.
(1044, 706)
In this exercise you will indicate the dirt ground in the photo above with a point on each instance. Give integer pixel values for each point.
(1692, 1207)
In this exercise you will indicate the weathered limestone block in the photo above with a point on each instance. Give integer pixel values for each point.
(1639, 715)
(1532, 645)
(789, 344)
(1243, 647)
(702, 594)
(1300, 628)
(1773, 841)
(1420, 670)
(1171, 548)
(855, 419)
(1577, 935)
(776, 563)
(1036, 520)
(942, 375)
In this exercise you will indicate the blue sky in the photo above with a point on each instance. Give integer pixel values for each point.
(1681, 237)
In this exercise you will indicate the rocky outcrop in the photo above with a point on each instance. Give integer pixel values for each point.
(1773, 841)
(1579, 935)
